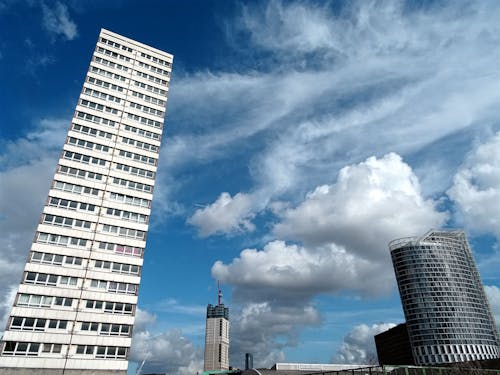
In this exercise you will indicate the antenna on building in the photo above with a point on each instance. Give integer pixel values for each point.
(219, 293)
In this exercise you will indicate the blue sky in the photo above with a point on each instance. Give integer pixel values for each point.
(301, 138)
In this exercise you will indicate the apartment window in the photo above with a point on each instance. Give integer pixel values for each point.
(147, 109)
(128, 199)
(59, 240)
(127, 215)
(68, 280)
(135, 171)
(139, 144)
(87, 144)
(122, 288)
(47, 258)
(74, 156)
(150, 88)
(115, 329)
(155, 59)
(142, 132)
(63, 301)
(122, 231)
(52, 348)
(57, 324)
(80, 173)
(145, 120)
(106, 73)
(21, 348)
(117, 267)
(149, 99)
(104, 84)
(101, 95)
(96, 119)
(154, 68)
(137, 157)
(34, 300)
(111, 64)
(122, 249)
(90, 326)
(111, 352)
(85, 349)
(76, 189)
(133, 185)
(65, 222)
(40, 278)
(28, 324)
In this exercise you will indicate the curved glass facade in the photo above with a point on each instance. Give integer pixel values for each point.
(447, 313)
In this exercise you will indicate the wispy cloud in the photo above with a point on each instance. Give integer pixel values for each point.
(56, 20)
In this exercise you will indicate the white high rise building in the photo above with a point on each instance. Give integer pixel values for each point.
(217, 337)
(76, 303)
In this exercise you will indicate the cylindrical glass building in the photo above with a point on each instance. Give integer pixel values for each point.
(447, 313)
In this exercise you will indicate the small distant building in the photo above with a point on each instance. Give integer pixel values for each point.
(217, 337)
(393, 346)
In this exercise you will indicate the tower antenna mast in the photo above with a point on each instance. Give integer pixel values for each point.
(219, 293)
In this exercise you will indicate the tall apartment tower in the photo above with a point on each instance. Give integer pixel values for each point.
(217, 337)
(447, 314)
(76, 303)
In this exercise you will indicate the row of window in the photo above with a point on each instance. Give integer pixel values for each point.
(142, 132)
(36, 324)
(136, 171)
(66, 222)
(107, 73)
(96, 119)
(139, 144)
(101, 95)
(75, 189)
(116, 45)
(147, 109)
(112, 54)
(149, 99)
(151, 88)
(145, 120)
(127, 215)
(71, 205)
(106, 85)
(55, 259)
(154, 68)
(121, 249)
(79, 173)
(58, 240)
(106, 329)
(58, 260)
(132, 185)
(87, 144)
(114, 287)
(150, 77)
(137, 157)
(91, 131)
(155, 59)
(125, 232)
(98, 107)
(36, 300)
(128, 199)
(111, 64)
(49, 279)
(74, 156)
(34, 349)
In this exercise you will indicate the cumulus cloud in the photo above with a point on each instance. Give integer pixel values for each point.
(370, 204)
(358, 345)
(264, 329)
(57, 21)
(226, 215)
(476, 188)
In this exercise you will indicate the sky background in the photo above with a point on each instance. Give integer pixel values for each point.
(301, 138)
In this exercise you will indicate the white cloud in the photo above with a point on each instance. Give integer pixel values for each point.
(358, 346)
(264, 329)
(476, 188)
(226, 215)
(370, 204)
(167, 352)
(58, 22)
(6, 304)
(493, 294)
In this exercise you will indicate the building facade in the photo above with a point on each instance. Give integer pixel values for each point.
(76, 303)
(447, 314)
(393, 346)
(217, 338)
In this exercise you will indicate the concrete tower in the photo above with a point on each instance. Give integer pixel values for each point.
(447, 314)
(217, 337)
(76, 303)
